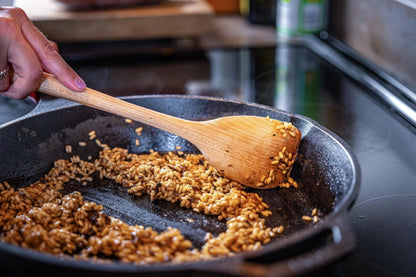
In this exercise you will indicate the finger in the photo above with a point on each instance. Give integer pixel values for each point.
(27, 71)
(50, 58)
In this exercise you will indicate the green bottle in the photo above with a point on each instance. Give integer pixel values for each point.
(296, 18)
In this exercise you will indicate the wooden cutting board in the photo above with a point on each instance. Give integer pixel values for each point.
(169, 19)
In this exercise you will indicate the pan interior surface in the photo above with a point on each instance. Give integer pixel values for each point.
(323, 170)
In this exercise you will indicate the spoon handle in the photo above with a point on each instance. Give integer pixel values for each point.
(101, 101)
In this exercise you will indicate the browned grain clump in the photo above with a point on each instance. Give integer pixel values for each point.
(283, 162)
(40, 217)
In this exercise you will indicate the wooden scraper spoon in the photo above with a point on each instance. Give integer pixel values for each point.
(254, 151)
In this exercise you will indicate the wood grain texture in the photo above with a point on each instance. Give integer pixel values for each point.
(170, 19)
(240, 147)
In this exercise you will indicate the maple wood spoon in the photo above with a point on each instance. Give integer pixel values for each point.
(254, 151)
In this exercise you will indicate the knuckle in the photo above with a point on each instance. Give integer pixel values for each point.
(16, 12)
(54, 45)
(6, 25)
(10, 20)
(49, 50)
(35, 74)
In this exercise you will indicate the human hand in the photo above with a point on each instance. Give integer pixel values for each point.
(26, 52)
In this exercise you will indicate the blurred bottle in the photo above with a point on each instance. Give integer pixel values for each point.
(244, 6)
(297, 18)
(262, 12)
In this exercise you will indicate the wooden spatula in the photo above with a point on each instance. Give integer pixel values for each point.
(255, 151)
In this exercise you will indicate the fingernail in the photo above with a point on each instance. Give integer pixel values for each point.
(80, 84)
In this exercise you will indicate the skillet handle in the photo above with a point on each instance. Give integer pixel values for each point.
(334, 240)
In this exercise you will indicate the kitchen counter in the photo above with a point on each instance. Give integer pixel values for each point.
(298, 79)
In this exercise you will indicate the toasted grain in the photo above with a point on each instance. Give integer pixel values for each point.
(68, 148)
(42, 218)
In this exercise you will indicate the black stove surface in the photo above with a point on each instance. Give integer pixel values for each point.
(295, 79)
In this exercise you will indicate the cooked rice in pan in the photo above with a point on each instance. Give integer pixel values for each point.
(40, 217)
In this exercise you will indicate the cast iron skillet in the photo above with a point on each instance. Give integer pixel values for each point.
(326, 169)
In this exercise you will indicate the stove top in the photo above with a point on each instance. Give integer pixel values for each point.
(302, 80)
